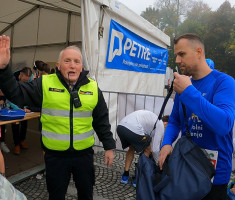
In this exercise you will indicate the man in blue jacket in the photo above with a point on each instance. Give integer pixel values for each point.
(209, 98)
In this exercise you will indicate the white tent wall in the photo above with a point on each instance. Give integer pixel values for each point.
(121, 87)
(39, 31)
(90, 27)
(76, 29)
(119, 80)
(24, 57)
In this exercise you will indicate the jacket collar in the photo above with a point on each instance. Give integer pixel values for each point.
(82, 80)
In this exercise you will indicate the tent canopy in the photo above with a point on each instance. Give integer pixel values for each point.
(40, 29)
(12, 11)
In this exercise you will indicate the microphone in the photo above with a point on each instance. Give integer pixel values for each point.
(74, 95)
(70, 85)
(176, 69)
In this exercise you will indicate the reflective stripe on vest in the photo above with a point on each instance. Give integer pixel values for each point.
(65, 137)
(58, 121)
(63, 113)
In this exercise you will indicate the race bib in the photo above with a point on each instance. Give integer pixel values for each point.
(213, 156)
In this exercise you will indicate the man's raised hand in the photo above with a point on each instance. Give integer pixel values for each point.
(4, 51)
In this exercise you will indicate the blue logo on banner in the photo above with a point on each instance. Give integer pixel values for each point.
(128, 51)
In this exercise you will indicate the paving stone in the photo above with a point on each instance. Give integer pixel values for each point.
(107, 184)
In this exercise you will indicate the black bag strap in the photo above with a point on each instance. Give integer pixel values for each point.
(186, 121)
(164, 105)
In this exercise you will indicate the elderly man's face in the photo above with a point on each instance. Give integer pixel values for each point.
(70, 65)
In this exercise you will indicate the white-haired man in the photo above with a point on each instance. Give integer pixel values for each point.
(72, 107)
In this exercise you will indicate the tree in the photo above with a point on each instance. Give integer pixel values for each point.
(218, 37)
(230, 47)
(196, 19)
(172, 13)
(152, 15)
(216, 28)
(198, 12)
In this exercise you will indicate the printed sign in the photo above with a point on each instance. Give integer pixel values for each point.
(128, 51)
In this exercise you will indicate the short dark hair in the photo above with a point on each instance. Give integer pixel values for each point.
(192, 37)
(165, 118)
(188, 36)
(26, 71)
(52, 71)
(41, 66)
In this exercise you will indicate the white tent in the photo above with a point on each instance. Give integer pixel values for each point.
(39, 29)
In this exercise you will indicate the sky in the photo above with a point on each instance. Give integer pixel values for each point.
(140, 5)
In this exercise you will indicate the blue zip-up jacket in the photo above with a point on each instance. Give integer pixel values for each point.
(210, 108)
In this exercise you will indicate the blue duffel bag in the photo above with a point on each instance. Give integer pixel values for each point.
(189, 173)
(8, 114)
(146, 173)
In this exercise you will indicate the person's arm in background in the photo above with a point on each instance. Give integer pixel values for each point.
(156, 140)
(13, 106)
(2, 164)
(1, 103)
(2, 99)
(102, 128)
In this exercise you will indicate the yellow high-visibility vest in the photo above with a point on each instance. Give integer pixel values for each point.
(61, 121)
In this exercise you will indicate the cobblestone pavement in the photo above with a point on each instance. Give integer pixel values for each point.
(107, 184)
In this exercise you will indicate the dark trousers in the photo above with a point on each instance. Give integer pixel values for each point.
(2, 138)
(218, 192)
(19, 132)
(59, 170)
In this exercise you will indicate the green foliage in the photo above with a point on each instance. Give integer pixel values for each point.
(216, 28)
(230, 46)
(192, 26)
(218, 38)
(152, 15)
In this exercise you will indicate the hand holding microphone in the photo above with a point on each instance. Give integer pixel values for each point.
(181, 82)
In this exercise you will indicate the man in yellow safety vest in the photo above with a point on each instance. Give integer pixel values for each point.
(72, 108)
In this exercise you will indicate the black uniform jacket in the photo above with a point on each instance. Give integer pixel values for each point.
(30, 94)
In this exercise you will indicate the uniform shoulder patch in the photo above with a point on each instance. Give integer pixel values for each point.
(56, 90)
(86, 92)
